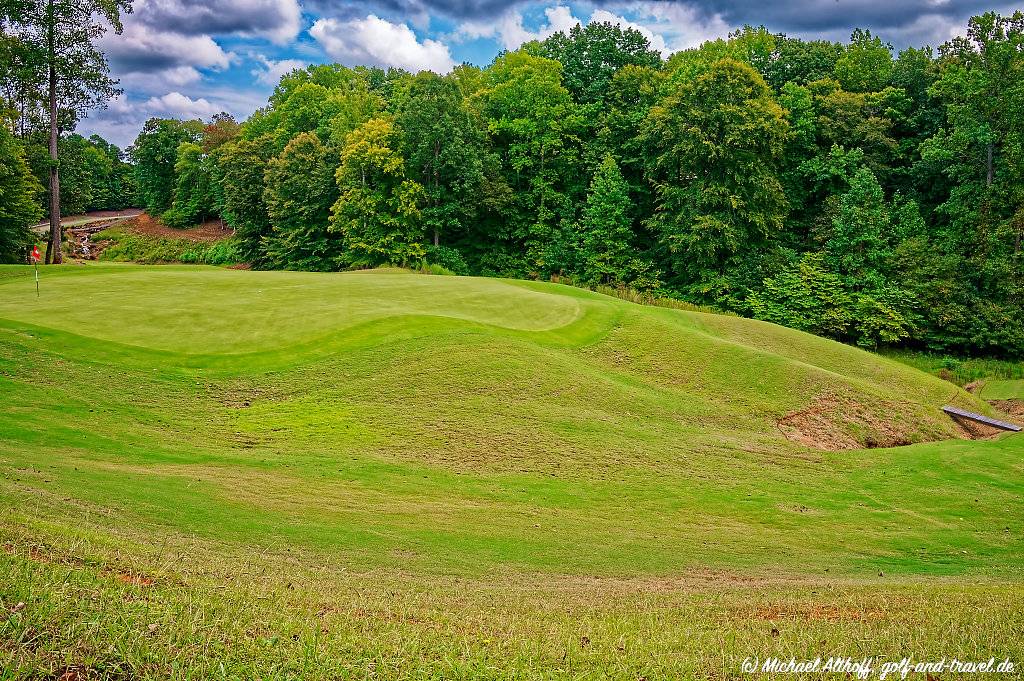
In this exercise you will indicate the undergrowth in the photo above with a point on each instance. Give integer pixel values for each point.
(127, 247)
(960, 370)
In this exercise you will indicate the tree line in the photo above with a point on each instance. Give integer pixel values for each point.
(51, 74)
(843, 189)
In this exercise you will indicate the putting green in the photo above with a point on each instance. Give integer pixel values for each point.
(206, 310)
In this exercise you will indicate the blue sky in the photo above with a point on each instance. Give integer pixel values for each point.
(194, 58)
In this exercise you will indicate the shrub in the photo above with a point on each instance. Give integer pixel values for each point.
(449, 259)
(151, 250)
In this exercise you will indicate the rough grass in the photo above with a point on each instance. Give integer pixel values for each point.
(127, 246)
(961, 371)
(221, 473)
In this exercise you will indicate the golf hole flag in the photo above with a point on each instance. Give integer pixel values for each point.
(35, 266)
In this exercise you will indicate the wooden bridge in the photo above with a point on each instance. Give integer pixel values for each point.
(978, 418)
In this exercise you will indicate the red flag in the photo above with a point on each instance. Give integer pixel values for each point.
(35, 253)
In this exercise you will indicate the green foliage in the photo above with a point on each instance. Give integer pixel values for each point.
(809, 297)
(448, 258)
(534, 126)
(18, 206)
(144, 249)
(195, 195)
(858, 241)
(590, 56)
(442, 142)
(800, 62)
(299, 194)
(961, 370)
(93, 173)
(377, 212)
(716, 149)
(155, 154)
(867, 64)
(242, 163)
(606, 231)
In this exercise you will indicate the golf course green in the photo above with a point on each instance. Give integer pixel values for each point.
(223, 473)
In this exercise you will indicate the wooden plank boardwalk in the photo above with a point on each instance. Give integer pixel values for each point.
(970, 415)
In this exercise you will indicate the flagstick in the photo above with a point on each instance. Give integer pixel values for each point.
(35, 264)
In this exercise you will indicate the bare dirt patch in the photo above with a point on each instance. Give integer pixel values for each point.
(1014, 408)
(134, 579)
(972, 430)
(974, 387)
(831, 421)
(86, 247)
(211, 230)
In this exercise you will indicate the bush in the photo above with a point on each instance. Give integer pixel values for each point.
(150, 250)
(427, 268)
(449, 259)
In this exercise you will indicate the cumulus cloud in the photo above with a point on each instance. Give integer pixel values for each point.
(376, 41)
(149, 59)
(177, 105)
(680, 26)
(903, 22)
(276, 20)
(509, 30)
(123, 117)
(270, 71)
(667, 26)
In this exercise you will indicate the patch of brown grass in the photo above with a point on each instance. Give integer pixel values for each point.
(211, 230)
(831, 421)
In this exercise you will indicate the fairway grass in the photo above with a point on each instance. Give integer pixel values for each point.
(220, 473)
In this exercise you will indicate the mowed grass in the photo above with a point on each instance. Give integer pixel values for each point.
(1003, 390)
(210, 472)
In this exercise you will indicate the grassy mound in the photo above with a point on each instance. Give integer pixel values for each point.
(337, 473)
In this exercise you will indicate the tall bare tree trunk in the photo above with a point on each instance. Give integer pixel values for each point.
(53, 250)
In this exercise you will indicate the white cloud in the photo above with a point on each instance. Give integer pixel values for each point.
(121, 121)
(668, 26)
(376, 41)
(177, 105)
(682, 26)
(149, 59)
(271, 71)
(511, 33)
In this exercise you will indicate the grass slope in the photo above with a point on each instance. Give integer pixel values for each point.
(215, 472)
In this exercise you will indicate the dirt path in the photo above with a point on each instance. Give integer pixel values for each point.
(88, 218)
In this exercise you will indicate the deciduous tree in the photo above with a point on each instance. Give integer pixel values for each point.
(59, 36)
(377, 212)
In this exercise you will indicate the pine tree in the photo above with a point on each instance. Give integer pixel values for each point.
(605, 228)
